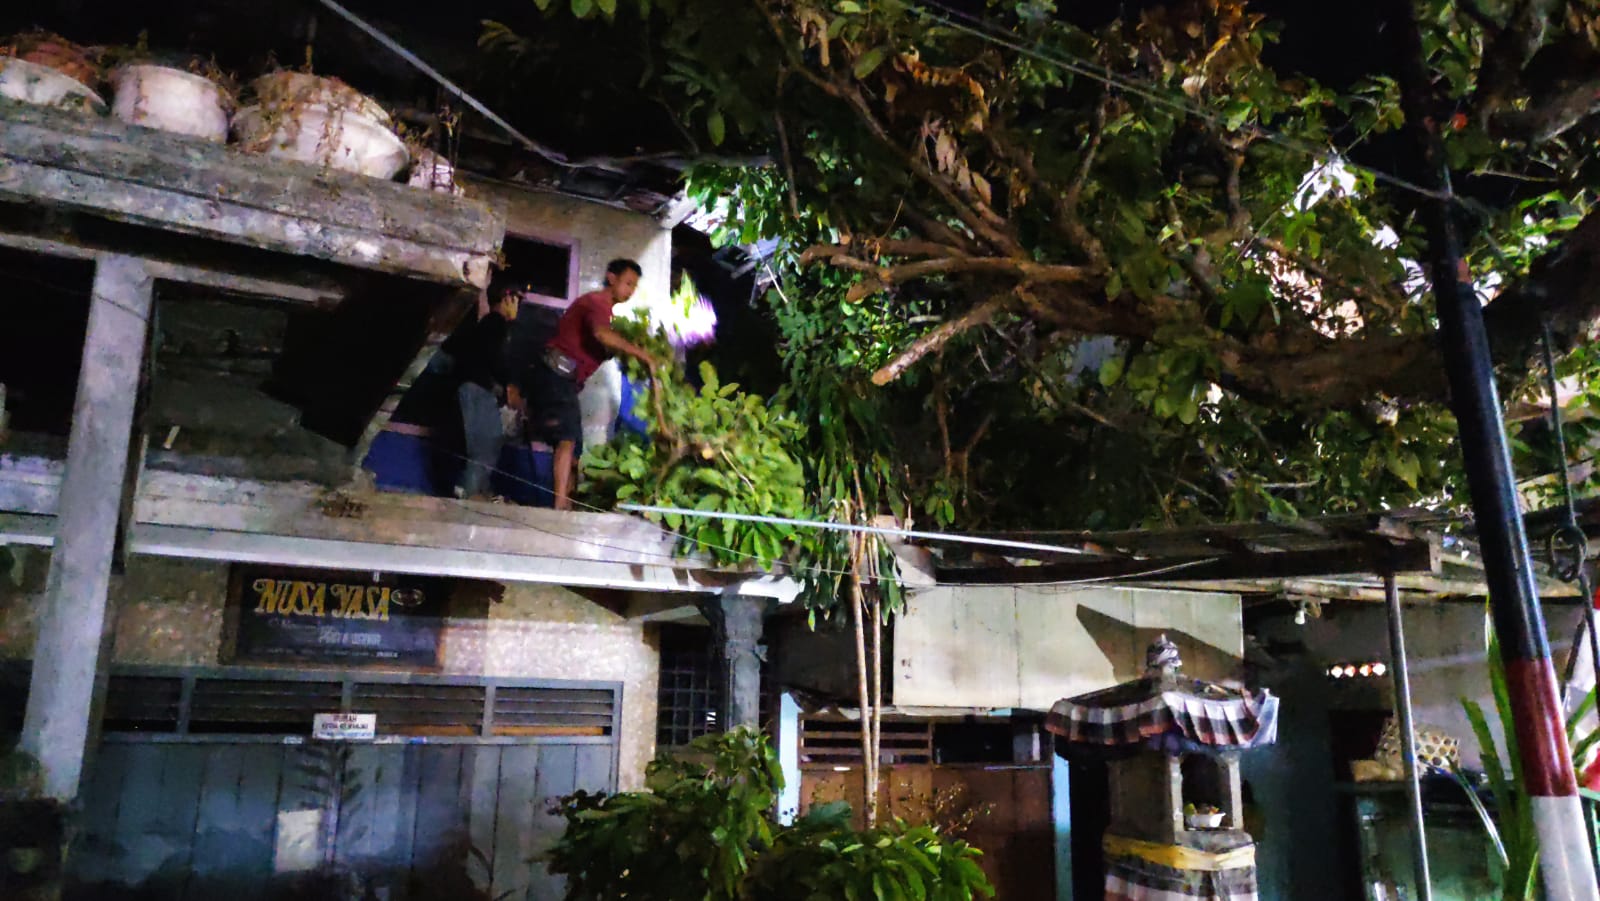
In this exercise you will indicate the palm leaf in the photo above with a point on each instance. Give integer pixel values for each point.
(1489, 827)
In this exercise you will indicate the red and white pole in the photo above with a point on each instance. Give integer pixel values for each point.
(1564, 856)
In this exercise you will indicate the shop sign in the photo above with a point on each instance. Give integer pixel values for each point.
(295, 615)
(344, 726)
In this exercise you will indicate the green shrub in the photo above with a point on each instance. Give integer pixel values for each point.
(704, 831)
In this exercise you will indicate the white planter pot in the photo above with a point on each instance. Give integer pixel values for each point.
(299, 89)
(171, 100)
(1204, 820)
(44, 86)
(334, 137)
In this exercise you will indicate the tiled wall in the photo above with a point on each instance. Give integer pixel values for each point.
(170, 612)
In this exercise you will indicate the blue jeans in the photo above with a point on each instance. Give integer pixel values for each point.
(480, 421)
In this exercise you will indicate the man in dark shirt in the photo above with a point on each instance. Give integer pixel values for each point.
(474, 359)
(584, 339)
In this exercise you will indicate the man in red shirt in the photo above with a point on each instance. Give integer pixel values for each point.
(584, 339)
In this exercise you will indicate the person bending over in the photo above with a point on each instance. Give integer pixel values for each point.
(584, 339)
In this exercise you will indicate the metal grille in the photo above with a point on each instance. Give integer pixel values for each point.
(163, 702)
(258, 706)
(690, 692)
(410, 708)
(144, 704)
(553, 711)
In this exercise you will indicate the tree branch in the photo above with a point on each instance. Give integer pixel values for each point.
(1548, 118)
(844, 256)
(1069, 200)
(1508, 53)
(1064, 204)
(783, 144)
(979, 315)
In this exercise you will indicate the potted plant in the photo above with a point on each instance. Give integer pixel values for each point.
(46, 69)
(185, 95)
(319, 120)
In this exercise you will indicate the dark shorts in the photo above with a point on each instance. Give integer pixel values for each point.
(553, 412)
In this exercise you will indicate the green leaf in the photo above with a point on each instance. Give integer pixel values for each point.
(582, 8)
(607, 7)
(1111, 370)
(717, 127)
(870, 61)
(850, 7)
(1405, 466)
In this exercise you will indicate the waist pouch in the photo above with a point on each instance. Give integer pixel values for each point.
(560, 363)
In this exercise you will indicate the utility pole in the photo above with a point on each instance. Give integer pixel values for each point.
(1548, 779)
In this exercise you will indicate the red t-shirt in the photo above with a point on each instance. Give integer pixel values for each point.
(575, 332)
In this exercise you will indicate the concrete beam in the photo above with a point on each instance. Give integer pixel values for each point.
(72, 627)
(212, 518)
(308, 289)
(103, 168)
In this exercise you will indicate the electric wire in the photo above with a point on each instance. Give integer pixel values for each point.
(985, 30)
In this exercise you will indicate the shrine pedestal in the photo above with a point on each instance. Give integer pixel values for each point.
(1146, 871)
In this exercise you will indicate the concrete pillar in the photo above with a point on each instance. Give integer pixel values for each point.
(56, 729)
(737, 622)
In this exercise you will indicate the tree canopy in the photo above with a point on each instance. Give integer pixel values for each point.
(1049, 268)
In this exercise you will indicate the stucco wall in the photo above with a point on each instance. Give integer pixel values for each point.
(170, 612)
(602, 234)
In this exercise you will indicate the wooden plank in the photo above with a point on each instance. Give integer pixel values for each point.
(234, 830)
(1416, 556)
(1032, 845)
(149, 178)
(369, 808)
(440, 852)
(481, 779)
(182, 769)
(140, 849)
(94, 848)
(557, 776)
(514, 815)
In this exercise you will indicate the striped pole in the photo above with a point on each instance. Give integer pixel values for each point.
(1508, 566)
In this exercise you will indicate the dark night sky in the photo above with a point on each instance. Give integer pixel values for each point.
(1333, 42)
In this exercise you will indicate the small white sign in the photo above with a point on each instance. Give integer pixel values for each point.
(344, 726)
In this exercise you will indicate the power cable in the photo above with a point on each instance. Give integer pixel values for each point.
(985, 30)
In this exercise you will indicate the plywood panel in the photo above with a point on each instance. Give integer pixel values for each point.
(1068, 647)
(957, 647)
(924, 657)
